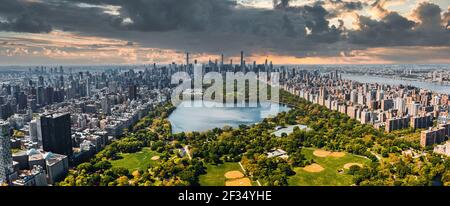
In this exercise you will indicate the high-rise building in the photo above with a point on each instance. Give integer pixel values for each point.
(365, 116)
(354, 96)
(22, 100)
(414, 108)
(400, 105)
(105, 105)
(221, 61)
(371, 95)
(242, 61)
(5, 111)
(41, 81)
(433, 136)
(436, 100)
(418, 122)
(33, 130)
(387, 104)
(6, 162)
(88, 88)
(61, 81)
(54, 133)
(361, 99)
(187, 59)
(40, 96)
(380, 95)
(48, 95)
(397, 123)
(352, 111)
(132, 92)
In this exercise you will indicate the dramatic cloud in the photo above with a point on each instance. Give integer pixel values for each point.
(339, 7)
(17, 17)
(26, 23)
(392, 29)
(310, 28)
(429, 16)
(164, 15)
(395, 30)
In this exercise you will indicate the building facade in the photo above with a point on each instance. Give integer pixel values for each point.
(6, 162)
(54, 133)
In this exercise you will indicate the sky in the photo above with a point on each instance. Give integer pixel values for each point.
(105, 32)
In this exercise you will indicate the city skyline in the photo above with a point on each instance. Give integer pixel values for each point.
(101, 32)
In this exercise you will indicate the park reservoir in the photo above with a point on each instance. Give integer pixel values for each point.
(188, 119)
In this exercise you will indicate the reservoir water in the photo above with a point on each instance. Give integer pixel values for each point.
(187, 119)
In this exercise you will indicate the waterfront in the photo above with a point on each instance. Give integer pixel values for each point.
(186, 119)
(443, 89)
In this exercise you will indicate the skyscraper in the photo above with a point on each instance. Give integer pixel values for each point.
(49, 95)
(242, 61)
(22, 100)
(6, 162)
(132, 92)
(41, 81)
(40, 96)
(5, 111)
(54, 133)
(187, 59)
(221, 61)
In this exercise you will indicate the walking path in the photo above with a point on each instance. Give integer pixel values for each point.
(186, 149)
(243, 169)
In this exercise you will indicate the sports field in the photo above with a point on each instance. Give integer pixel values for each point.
(137, 161)
(327, 169)
(227, 174)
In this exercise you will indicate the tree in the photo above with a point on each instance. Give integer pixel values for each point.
(86, 167)
(123, 181)
(102, 165)
(188, 176)
(354, 169)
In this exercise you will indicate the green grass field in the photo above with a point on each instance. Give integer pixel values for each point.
(330, 175)
(215, 173)
(137, 161)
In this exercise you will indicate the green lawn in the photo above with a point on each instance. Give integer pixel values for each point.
(330, 175)
(137, 161)
(215, 173)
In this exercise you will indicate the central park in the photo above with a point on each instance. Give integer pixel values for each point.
(336, 150)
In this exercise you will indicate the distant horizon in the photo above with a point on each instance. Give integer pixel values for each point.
(158, 64)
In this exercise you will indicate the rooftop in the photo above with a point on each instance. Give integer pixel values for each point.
(289, 129)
